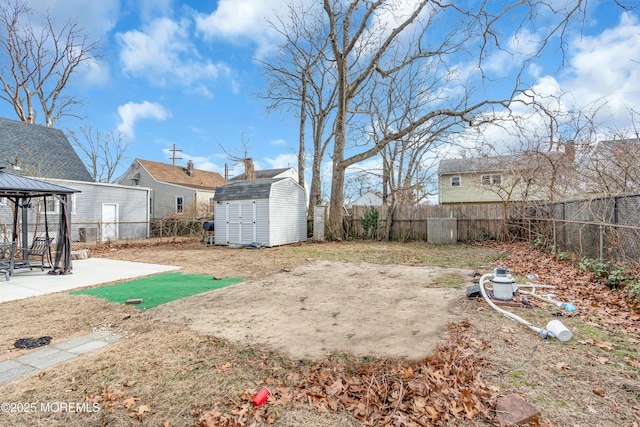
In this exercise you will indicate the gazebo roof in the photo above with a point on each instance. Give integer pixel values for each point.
(19, 186)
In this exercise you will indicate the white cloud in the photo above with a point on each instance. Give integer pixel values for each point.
(94, 73)
(242, 19)
(280, 142)
(606, 66)
(150, 9)
(282, 161)
(163, 54)
(131, 112)
(601, 79)
(95, 17)
(520, 46)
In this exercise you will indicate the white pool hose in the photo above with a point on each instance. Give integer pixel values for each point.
(559, 330)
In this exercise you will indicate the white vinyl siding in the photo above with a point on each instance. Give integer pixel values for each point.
(275, 220)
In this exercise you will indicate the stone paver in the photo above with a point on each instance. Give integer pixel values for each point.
(12, 369)
(45, 358)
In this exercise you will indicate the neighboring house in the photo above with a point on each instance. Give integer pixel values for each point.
(39, 151)
(175, 189)
(611, 168)
(45, 153)
(103, 212)
(274, 173)
(268, 211)
(514, 178)
(270, 173)
(367, 199)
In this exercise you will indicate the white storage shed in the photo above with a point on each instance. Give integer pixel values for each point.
(270, 212)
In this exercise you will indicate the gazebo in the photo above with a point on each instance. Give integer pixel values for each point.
(20, 191)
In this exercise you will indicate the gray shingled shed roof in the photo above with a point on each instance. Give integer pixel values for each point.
(41, 151)
(12, 185)
(246, 190)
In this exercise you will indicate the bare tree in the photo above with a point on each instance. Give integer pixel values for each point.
(365, 34)
(37, 64)
(300, 80)
(103, 153)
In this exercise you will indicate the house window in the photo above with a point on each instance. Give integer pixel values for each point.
(53, 206)
(486, 180)
(179, 204)
(136, 182)
(456, 181)
(211, 205)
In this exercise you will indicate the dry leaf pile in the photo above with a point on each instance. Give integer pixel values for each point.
(389, 392)
(614, 308)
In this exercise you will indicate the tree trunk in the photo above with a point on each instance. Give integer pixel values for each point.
(334, 221)
(303, 121)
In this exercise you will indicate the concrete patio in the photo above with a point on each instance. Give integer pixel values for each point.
(25, 283)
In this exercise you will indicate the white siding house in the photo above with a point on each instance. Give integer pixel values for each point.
(104, 212)
(175, 190)
(367, 199)
(270, 212)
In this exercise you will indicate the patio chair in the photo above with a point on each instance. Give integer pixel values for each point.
(7, 252)
(37, 252)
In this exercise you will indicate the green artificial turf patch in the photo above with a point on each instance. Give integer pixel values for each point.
(159, 289)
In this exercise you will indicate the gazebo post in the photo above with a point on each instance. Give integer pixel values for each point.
(14, 227)
(25, 224)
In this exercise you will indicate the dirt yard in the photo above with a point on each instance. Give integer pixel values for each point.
(344, 334)
(329, 307)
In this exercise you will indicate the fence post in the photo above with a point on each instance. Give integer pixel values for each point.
(555, 239)
(601, 227)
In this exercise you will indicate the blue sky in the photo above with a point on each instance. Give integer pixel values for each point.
(183, 73)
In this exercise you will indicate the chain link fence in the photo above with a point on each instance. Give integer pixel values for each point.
(606, 228)
(161, 230)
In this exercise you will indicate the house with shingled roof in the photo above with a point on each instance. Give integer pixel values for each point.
(99, 211)
(175, 190)
(38, 151)
(269, 174)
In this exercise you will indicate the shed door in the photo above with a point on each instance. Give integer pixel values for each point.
(109, 221)
(241, 222)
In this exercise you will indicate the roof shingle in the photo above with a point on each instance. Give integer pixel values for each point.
(40, 151)
(201, 179)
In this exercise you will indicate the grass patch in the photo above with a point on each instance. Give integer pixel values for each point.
(450, 281)
(417, 253)
(158, 289)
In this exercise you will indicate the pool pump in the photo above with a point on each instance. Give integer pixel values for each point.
(503, 287)
(503, 284)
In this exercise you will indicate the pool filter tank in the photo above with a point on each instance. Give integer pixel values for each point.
(503, 284)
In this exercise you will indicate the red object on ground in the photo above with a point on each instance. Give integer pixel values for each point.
(261, 397)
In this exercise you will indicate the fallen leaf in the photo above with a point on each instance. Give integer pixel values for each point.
(632, 362)
(408, 372)
(271, 418)
(130, 402)
(224, 368)
(602, 344)
(600, 393)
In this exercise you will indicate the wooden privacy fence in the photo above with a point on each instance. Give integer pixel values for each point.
(411, 223)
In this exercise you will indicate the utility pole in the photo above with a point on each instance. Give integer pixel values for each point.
(173, 156)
